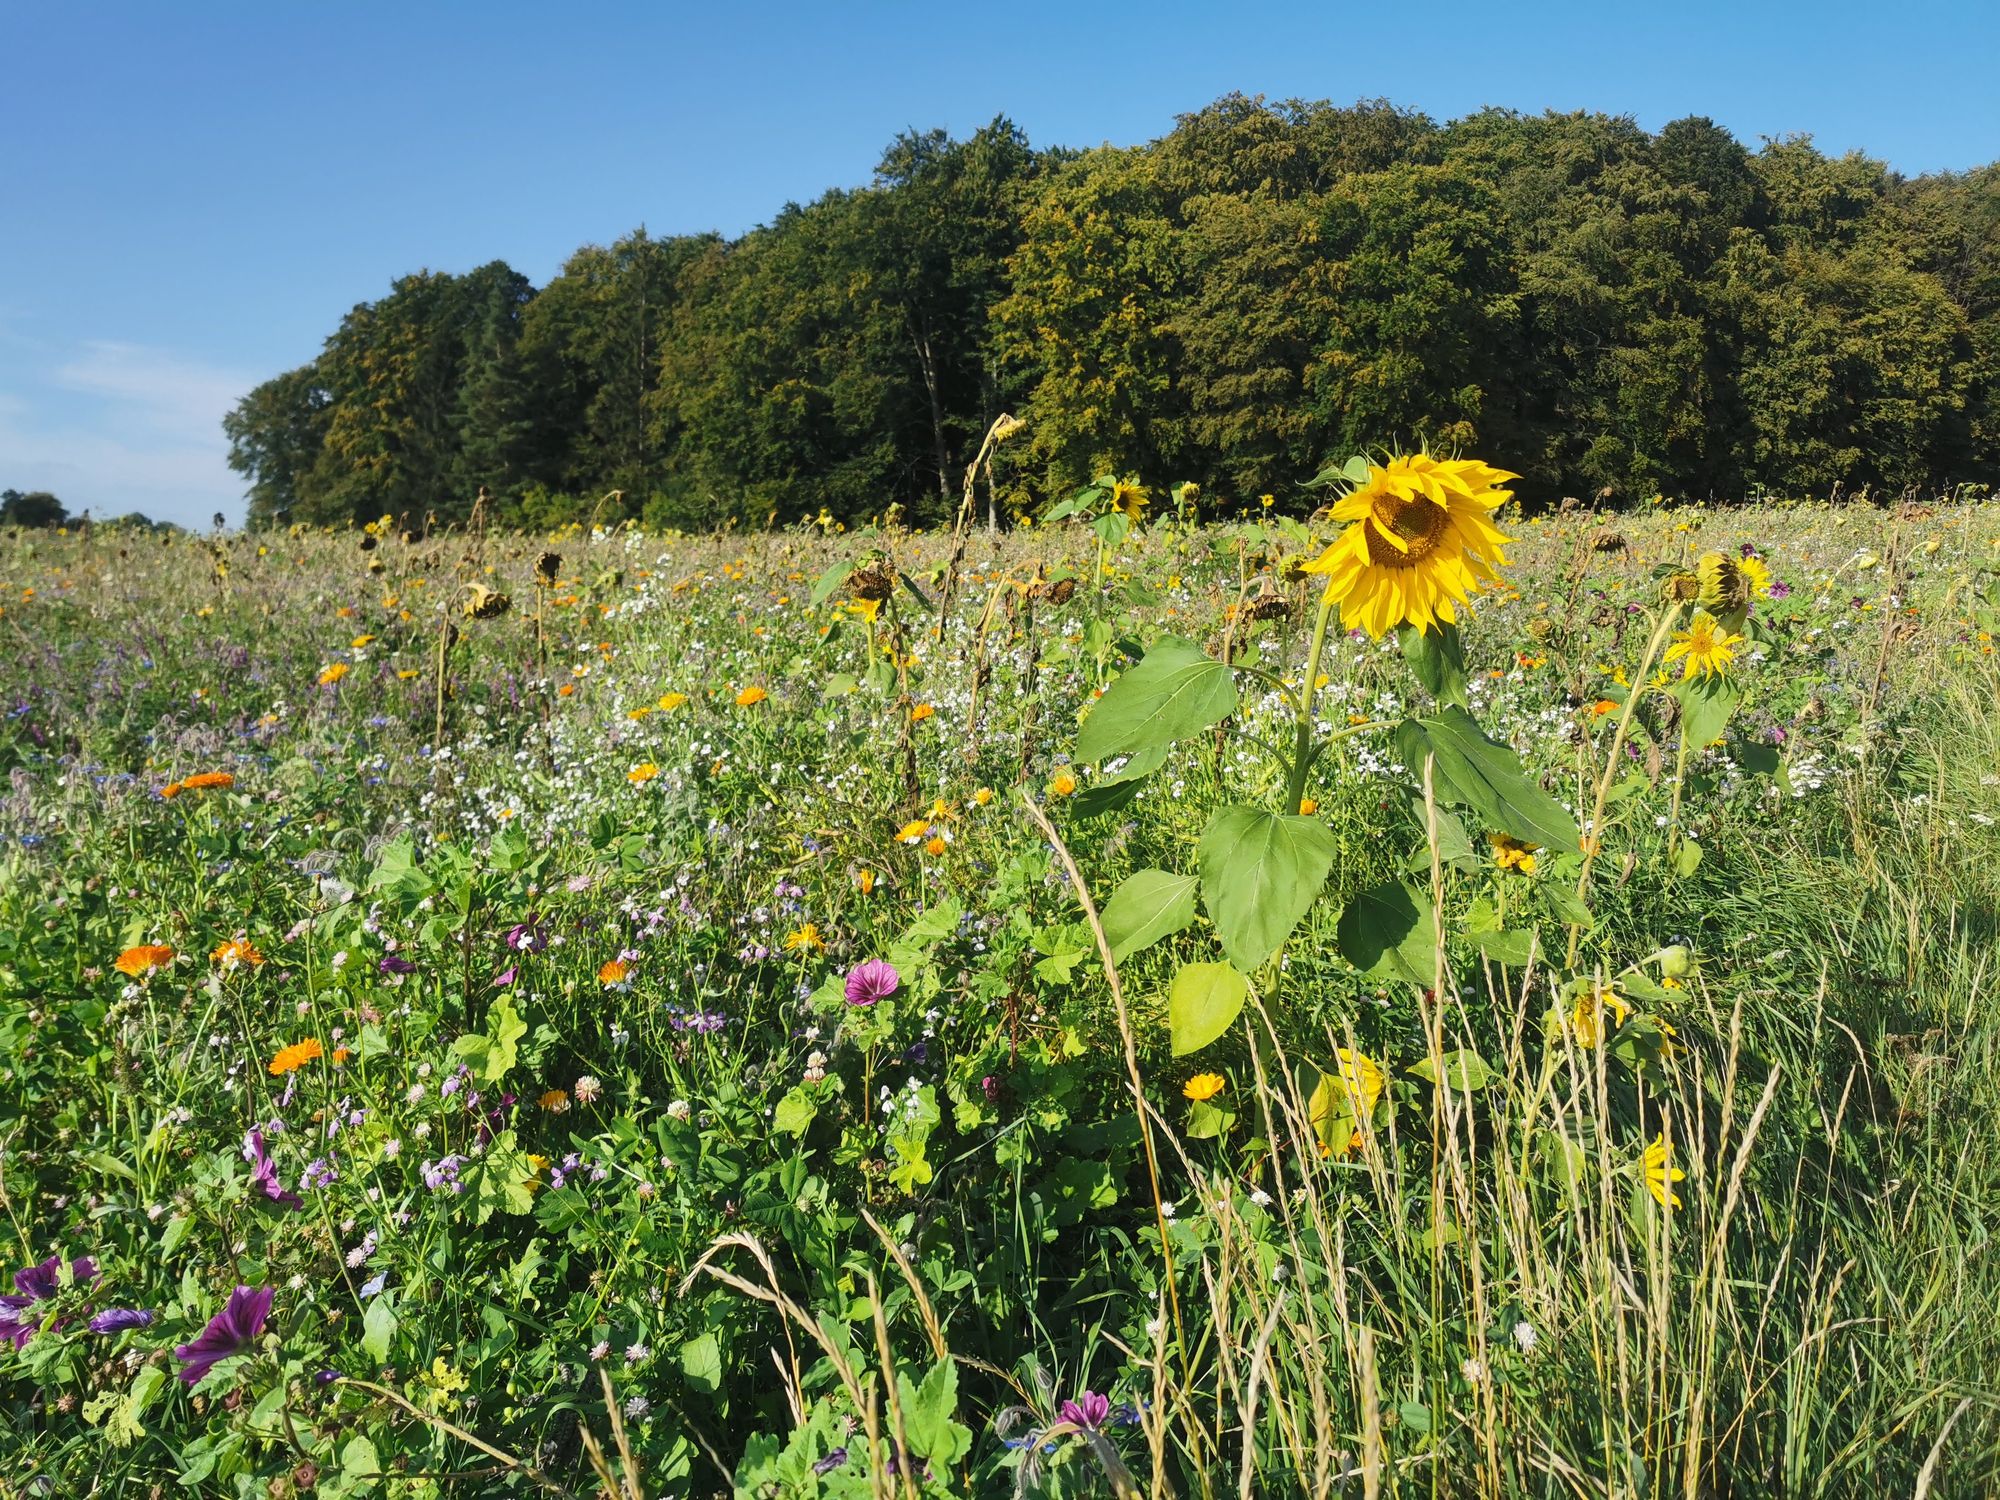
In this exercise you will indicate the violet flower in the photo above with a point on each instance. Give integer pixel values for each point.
(263, 1175)
(118, 1319)
(391, 963)
(42, 1283)
(873, 980)
(1088, 1413)
(229, 1333)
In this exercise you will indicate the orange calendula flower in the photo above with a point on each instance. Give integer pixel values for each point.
(296, 1056)
(1203, 1087)
(614, 972)
(1308, 806)
(208, 781)
(921, 712)
(936, 845)
(555, 1101)
(333, 674)
(913, 831)
(1602, 707)
(144, 959)
(751, 696)
(865, 880)
(642, 773)
(170, 791)
(237, 953)
(1061, 784)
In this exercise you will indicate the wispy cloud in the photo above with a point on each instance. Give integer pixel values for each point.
(115, 427)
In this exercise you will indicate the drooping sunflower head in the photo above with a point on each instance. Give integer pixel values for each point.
(1420, 541)
(1129, 499)
(1725, 588)
(1705, 647)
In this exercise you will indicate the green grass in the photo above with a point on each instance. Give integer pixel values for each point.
(820, 1227)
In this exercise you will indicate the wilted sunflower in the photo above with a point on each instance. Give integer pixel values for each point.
(1704, 647)
(1421, 542)
(486, 604)
(1513, 854)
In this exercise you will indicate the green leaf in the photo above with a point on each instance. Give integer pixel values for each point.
(825, 586)
(1481, 773)
(493, 1055)
(378, 1329)
(1176, 690)
(1260, 873)
(1149, 906)
(1687, 858)
(1437, 656)
(1706, 703)
(360, 1464)
(1206, 1122)
(1109, 793)
(701, 1362)
(1510, 947)
(1390, 932)
(1203, 1003)
(795, 1112)
(1464, 1072)
(1454, 844)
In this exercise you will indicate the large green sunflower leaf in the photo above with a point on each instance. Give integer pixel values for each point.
(1475, 771)
(1259, 874)
(1176, 690)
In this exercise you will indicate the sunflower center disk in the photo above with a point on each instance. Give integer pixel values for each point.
(1420, 523)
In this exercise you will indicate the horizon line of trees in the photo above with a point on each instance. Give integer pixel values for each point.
(1268, 287)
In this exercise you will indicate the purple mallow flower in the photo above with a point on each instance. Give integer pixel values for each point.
(873, 980)
(40, 1283)
(391, 963)
(263, 1175)
(118, 1319)
(1089, 1412)
(230, 1332)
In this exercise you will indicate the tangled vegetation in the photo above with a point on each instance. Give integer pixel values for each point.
(1109, 1008)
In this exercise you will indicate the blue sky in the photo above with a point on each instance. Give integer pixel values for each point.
(195, 193)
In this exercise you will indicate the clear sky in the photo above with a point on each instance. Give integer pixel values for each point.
(192, 194)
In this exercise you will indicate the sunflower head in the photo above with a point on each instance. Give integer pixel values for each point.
(1420, 541)
(1725, 588)
(1706, 648)
(1129, 499)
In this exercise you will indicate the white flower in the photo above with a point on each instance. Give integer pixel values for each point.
(587, 1089)
(1474, 1370)
(679, 1110)
(637, 1352)
(1261, 1198)
(1525, 1337)
(599, 1350)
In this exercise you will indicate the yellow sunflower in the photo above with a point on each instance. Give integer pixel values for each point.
(1129, 499)
(1704, 647)
(1661, 1173)
(1514, 854)
(1724, 588)
(1422, 542)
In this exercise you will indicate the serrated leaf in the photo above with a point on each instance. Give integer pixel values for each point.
(1390, 932)
(1175, 690)
(1260, 873)
(1474, 771)
(1148, 906)
(1203, 1003)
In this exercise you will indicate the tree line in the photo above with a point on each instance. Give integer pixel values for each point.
(1610, 311)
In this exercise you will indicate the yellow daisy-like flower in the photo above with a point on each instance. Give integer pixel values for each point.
(921, 712)
(750, 697)
(290, 1059)
(1758, 574)
(1592, 1006)
(237, 953)
(1203, 1087)
(333, 674)
(614, 971)
(1421, 543)
(1704, 647)
(1062, 784)
(143, 960)
(936, 844)
(555, 1101)
(1130, 500)
(1513, 854)
(913, 831)
(671, 701)
(805, 939)
(642, 773)
(1661, 1173)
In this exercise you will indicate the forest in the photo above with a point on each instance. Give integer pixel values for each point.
(1615, 314)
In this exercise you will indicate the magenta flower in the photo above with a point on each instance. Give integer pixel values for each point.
(40, 1283)
(229, 1333)
(118, 1319)
(874, 980)
(1088, 1413)
(263, 1175)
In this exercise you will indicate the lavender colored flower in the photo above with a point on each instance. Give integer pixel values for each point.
(876, 979)
(263, 1175)
(831, 1462)
(230, 1332)
(1088, 1413)
(391, 963)
(527, 937)
(118, 1319)
(41, 1283)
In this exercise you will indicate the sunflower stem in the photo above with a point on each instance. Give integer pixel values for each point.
(1295, 786)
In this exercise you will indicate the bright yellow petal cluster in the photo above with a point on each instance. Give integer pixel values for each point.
(1704, 647)
(1421, 542)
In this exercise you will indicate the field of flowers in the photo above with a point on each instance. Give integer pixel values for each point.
(1099, 1010)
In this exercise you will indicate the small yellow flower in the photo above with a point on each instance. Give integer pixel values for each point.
(751, 696)
(1062, 784)
(1704, 647)
(1308, 806)
(671, 701)
(983, 796)
(1203, 1086)
(864, 880)
(921, 712)
(805, 939)
(1592, 1006)
(360, 641)
(555, 1101)
(913, 831)
(333, 674)
(642, 773)
(1513, 854)
(1661, 1173)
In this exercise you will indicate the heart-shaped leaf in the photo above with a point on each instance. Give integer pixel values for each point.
(1150, 905)
(1260, 873)
(1176, 690)
(1203, 1002)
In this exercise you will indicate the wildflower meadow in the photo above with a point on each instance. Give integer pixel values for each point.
(1163, 1000)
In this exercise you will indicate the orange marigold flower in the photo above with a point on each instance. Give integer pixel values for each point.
(142, 960)
(936, 845)
(333, 674)
(555, 1101)
(751, 696)
(1062, 784)
(296, 1056)
(1602, 707)
(921, 712)
(237, 951)
(614, 972)
(340, 1056)
(208, 781)
(171, 790)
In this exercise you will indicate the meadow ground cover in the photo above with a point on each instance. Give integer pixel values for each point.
(881, 1014)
